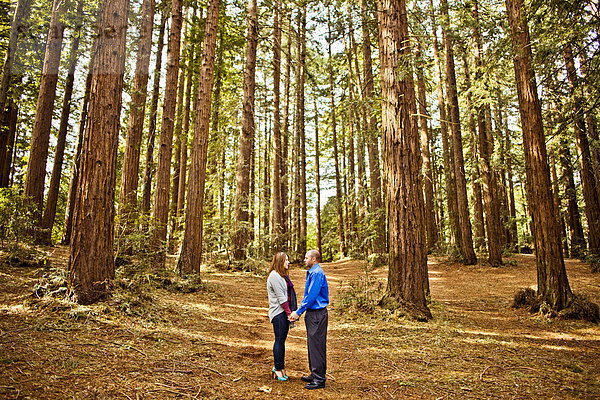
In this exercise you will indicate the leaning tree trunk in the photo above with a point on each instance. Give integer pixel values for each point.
(53, 190)
(402, 165)
(91, 262)
(241, 235)
(553, 285)
(191, 249)
(588, 180)
(466, 245)
(40, 136)
(165, 151)
(135, 125)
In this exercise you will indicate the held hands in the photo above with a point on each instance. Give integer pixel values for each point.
(293, 317)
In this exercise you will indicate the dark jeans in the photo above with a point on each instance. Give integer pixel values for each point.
(281, 327)
(316, 334)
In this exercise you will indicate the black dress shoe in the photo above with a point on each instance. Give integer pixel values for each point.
(307, 378)
(315, 385)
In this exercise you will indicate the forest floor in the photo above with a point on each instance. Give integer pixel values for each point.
(216, 342)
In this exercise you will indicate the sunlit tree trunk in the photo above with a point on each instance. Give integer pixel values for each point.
(91, 262)
(135, 125)
(165, 151)
(190, 257)
(40, 136)
(401, 164)
(553, 286)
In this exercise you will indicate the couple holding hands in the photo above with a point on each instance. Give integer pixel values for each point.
(283, 310)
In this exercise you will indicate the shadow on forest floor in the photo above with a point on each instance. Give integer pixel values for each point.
(216, 341)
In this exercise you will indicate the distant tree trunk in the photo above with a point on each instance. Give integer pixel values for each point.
(466, 247)
(479, 222)
(338, 183)
(22, 11)
(40, 136)
(591, 120)
(351, 150)
(9, 128)
(553, 285)
(317, 181)
(165, 151)
(402, 166)
(191, 249)
(241, 236)
(446, 146)
(75, 165)
(91, 262)
(286, 135)
(588, 180)
(149, 162)
(486, 150)
(430, 225)
(52, 198)
(302, 133)
(277, 217)
(378, 213)
(135, 125)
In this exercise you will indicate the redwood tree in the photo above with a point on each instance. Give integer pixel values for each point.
(91, 262)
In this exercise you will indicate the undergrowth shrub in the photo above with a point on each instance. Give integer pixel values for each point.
(580, 308)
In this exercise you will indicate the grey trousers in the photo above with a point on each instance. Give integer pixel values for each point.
(316, 333)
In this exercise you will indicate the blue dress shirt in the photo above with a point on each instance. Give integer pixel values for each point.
(316, 291)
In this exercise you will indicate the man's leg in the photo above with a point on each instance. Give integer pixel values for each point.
(316, 329)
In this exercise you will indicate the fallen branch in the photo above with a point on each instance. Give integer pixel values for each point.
(486, 369)
(14, 330)
(181, 371)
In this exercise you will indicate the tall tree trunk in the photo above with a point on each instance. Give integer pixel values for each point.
(317, 182)
(486, 150)
(75, 165)
(22, 11)
(40, 136)
(466, 244)
(53, 190)
(91, 262)
(191, 249)
(555, 194)
(588, 180)
(9, 128)
(351, 149)
(149, 162)
(430, 225)
(553, 285)
(165, 151)
(135, 124)
(241, 237)
(378, 213)
(402, 165)
(338, 183)
(286, 134)
(277, 217)
(446, 145)
(301, 133)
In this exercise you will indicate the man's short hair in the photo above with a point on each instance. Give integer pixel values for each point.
(315, 254)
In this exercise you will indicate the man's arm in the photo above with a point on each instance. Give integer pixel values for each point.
(314, 287)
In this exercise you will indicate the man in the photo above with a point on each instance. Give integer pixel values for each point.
(315, 301)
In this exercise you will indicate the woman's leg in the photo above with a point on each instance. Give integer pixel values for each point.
(281, 327)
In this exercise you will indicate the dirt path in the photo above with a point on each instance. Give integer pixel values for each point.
(217, 343)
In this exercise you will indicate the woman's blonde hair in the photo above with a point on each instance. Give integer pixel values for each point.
(279, 263)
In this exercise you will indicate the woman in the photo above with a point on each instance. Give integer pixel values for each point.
(282, 301)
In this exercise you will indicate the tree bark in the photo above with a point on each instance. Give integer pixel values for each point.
(191, 249)
(588, 180)
(338, 183)
(135, 125)
(301, 133)
(277, 210)
(317, 182)
(378, 213)
(466, 248)
(91, 262)
(149, 162)
(402, 165)
(9, 126)
(53, 190)
(286, 135)
(553, 285)
(241, 237)
(40, 136)
(165, 151)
